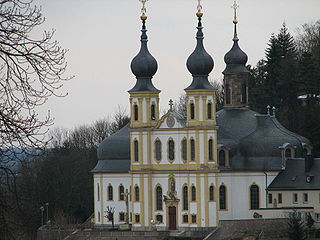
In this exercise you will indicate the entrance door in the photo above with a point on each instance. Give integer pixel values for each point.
(172, 218)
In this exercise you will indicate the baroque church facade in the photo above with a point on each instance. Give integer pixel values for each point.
(176, 171)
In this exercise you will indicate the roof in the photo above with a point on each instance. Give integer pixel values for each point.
(254, 139)
(294, 176)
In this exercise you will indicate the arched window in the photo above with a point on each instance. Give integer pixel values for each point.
(136, 112)
(185, 198)
(193, 150)
(171, 149)
(184, 149)
(228, 94)
(121, 193)
(254, 197)
(157, 146)
(222, 197)
(288, 153)
(110, 193)
(136, 193)
(153, 112)
(210, 149)
(193, 193)
(192, 110)
(222, 158)
(209, 110)
(136, 151)
(211, 193)
(158, 198)
(98, 191)
(244, 93)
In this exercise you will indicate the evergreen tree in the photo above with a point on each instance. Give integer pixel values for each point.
(296, 229)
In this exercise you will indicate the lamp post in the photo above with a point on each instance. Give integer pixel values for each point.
(42, 210)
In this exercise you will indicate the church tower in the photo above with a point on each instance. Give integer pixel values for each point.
(200, 101)
(236, 75)
(144, 97)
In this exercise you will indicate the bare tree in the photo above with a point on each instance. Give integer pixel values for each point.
(31, 71)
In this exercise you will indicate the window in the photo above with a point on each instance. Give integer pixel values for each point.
(171, 149)
(98, 216)
(136, 193)
(136, 151)
(279, 197)
(193, 193)
(254, 197)
(193, 218)
(136, 112)
(184, 149)
(157, 146)
(185, 198)
(211, 193)
(305, 197)
(295, 198)
(193, 149)
(137, 218)
(158, 198)
(228, 94)
(209, 110)
(121, 217)
(288, 153)
(244, 93)
(210, 149)
(191, 110)
(317, 217)
(159, 218)
(153, 112)
(222, 198)
(121, 193)
(222, 158)
(110, 193)
(185, 218)
(98, 191)
(270, 198)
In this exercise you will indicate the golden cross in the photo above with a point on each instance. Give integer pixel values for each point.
(143, 9)
(235, 6)
(199, 7)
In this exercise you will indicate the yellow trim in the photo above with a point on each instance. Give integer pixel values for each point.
(140, 142)
(206, 199)
(177, 167)
(204, 109)
(216, 196)
(197, 107)
(249, 191)
(197, 153)
(150, 200)
(206, 147)
(198, 196)
(144, 94)
(149, 146)
(101, 198)
(148, 112)
(142, 204)
(178, 130)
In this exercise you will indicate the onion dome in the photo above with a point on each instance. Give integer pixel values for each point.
(235, 59)
(144, 65)
(200, 63)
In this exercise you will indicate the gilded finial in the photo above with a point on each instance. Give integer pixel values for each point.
(143, 10)
(235, 6)
(199, 8)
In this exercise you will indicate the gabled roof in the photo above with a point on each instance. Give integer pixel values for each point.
(294, 177)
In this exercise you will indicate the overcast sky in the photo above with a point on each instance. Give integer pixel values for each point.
(103, 36)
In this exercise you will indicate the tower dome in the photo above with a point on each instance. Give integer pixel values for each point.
(144, 66)
(200, 63)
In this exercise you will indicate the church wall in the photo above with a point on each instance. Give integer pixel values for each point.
(104, 180)
(238, 192)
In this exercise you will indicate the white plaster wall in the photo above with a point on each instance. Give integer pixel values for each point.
(144, 110)
(238, 192)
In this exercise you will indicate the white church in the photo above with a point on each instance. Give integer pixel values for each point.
(176, 171)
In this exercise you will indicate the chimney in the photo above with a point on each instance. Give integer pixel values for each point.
(308, 162)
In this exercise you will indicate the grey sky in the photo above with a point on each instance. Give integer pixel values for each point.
(103, 36)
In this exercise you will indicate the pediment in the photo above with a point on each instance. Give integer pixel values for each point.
(171, 120)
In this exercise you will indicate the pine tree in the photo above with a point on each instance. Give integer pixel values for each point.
(296, 229)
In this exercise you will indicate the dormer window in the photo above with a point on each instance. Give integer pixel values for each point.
(135, 112)
(289, 152)
(192, 110)
(153, 112)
